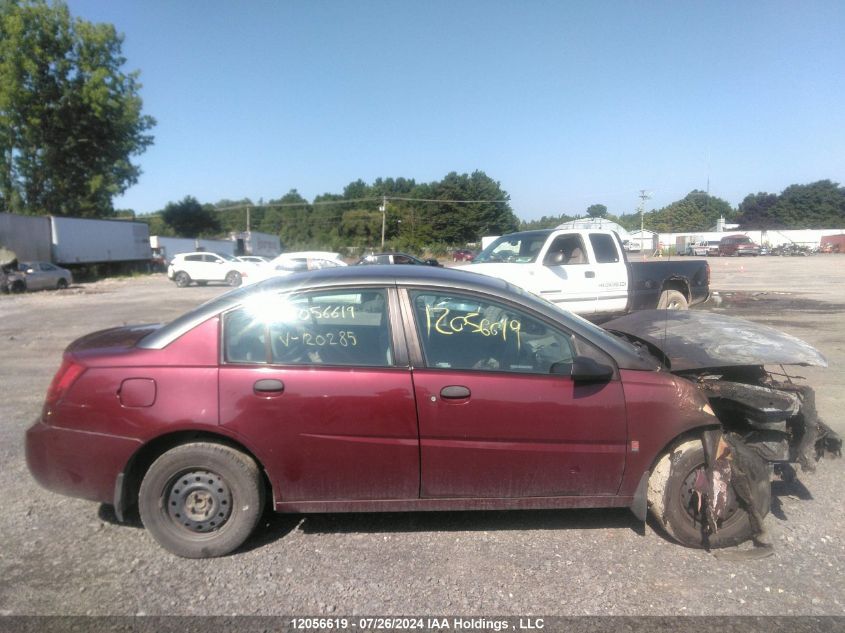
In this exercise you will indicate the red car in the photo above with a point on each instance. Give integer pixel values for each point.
(463, 255)
(377, 388)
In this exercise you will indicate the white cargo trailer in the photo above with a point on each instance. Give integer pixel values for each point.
(255, 243)
(27, 236)
(89, 241)
(164, 248)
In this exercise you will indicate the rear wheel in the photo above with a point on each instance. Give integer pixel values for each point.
(201, 500)
(182, 279)
(675, 504)
(233, 278)
(61, 284)
(672, 300)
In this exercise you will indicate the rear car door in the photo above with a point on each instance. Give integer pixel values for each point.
(611, 273)
(319, 383)
(494, 421)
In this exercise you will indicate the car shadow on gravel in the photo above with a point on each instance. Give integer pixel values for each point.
(276, 526)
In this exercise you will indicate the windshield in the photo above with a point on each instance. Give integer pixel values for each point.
(517, 248)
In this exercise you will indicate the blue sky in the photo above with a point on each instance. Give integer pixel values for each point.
(565, 103)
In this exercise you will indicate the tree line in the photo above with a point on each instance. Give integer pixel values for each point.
(816, 205)
(457, 209)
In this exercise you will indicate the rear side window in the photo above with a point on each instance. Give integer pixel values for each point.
(346, 328)
(604, 248)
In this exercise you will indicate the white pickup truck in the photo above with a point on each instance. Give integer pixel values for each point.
(586, 272)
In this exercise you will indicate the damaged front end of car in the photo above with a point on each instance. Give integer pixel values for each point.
(768, 418)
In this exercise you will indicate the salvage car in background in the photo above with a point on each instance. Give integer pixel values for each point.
(42, 276)
(396, 258)
(387, 388)
(737, 246)
(463, 255)
(202, 267)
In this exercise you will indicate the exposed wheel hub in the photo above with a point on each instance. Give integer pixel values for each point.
(199, 500)
(695, 507)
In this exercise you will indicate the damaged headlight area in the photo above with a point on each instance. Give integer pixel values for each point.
(768, 420)
(772, 415)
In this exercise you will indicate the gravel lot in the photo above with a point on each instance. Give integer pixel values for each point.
(68, 556)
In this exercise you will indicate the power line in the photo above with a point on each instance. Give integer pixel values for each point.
(351, 201)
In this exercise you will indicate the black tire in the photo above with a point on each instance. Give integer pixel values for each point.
(673, 504)
(672, 300)
(233, 278)
(202, 499)
(182, 279)
(61, 284)
(18, 286)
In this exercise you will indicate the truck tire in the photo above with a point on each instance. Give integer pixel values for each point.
(673, 503)
(672, 300)
(201, 499)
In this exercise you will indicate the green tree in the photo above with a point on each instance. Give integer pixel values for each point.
(756, 212)
(188, 218)
(70, 117)
(813, 206)
(698, 211)
(597, 211)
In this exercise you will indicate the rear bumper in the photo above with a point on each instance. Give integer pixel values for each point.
(76, 463)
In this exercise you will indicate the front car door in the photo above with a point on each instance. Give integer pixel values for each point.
(319, 383)
(567, 278)
(494, 421)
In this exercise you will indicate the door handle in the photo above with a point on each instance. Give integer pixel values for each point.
(268, 386)
(454, 392)
(589, 273)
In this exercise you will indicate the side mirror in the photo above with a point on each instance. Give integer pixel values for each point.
(432, 262)
(584, 369)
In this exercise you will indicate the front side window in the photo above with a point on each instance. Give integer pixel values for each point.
(193, 258)
(348, 327)
(467, 332)
(566, 249)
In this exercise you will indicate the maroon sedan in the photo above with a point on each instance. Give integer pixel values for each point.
(376, 388)
(463, 255)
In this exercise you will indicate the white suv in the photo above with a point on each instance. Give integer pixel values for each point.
(204, 267)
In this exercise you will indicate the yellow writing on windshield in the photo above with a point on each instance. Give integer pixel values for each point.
(439, 320)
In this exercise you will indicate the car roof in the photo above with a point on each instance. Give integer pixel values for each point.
(382, 275)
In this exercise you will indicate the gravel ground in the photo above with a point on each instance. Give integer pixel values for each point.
(68, 556)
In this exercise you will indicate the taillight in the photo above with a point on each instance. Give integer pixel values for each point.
(62, 381)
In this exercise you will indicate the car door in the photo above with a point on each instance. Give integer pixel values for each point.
(567, 277)
(319, 383)
(611, 273)
(494, 420)
(214, 267)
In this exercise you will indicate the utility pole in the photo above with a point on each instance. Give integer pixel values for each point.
(247, 219)
(643, 197)
(383, 209)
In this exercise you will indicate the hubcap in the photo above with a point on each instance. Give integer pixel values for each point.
(199, 501)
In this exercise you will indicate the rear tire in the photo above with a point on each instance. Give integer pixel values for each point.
(673, 504)
(182, 279)
(201, 500)
(233, 278)
(672, 300)
(61, 284)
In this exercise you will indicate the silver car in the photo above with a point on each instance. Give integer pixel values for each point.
(43, 275)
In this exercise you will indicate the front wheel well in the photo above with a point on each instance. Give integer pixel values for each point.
(129, 481)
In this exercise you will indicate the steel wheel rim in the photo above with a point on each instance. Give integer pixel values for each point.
(198, 501)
